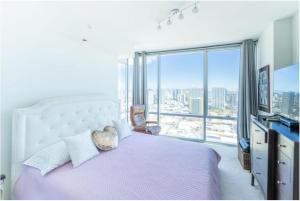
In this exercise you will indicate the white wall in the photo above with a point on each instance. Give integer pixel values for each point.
(39, 62)
(278, 45)
(265, 52)
(295, 36)
(283, 48)
(265, 47)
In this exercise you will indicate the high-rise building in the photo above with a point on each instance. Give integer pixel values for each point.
(175, 94)
(182, 98)
(166, 95)
(232, 99)
(287, 102)
(196, 105)
(218, 97)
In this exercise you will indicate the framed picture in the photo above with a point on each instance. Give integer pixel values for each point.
(264, 89)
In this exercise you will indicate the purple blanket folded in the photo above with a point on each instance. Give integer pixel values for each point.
(142, 167)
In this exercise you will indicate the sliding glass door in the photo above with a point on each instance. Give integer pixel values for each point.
(194, 94)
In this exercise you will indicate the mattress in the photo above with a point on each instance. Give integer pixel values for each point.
(142, 167)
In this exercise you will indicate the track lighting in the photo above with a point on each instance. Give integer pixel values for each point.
(177, 13)
(195, 9)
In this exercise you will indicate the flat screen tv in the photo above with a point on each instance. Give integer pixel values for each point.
(285, 99)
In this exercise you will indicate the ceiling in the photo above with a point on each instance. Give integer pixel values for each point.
(123, 27)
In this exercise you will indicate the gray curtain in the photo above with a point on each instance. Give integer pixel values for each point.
(247, 89)
(139, 78)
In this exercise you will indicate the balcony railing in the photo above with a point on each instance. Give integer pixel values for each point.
(209, 130)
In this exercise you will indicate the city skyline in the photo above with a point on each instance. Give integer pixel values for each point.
(181, 93)
(218, 97)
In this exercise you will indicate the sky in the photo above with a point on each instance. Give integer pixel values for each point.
(185, 70)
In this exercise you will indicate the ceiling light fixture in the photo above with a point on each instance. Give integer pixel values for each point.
(195, 9)
(177, 13)
(169, 22)
(159, 27)
(180, 16)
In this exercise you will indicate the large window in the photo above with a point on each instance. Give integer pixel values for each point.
(195, 94)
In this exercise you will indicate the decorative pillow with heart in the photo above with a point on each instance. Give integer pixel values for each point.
(107, 139)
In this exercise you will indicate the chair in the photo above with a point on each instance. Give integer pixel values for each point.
(140, 124)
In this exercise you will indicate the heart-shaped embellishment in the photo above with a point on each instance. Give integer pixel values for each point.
(107, 139)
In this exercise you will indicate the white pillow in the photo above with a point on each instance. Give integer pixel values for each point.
(123, 129)
(49, 158)
(80, 147)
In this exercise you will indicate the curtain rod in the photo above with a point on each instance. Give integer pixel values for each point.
(225, 45)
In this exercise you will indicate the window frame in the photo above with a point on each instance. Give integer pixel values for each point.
(205, 115)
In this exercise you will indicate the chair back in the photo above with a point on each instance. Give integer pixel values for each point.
(137, 115)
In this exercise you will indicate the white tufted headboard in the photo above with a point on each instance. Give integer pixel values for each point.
(43, 123)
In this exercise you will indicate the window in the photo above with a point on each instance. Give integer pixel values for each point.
(223, 78)
(223, 74)
(122, 88)
(125, 82)
(152, 88)
(194, 95)
(182, 83)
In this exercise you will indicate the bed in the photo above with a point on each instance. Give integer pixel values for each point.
(142, 167)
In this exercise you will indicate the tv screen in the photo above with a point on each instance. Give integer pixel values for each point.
(286, 92)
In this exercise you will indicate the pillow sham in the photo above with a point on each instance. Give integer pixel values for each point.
(80, 147)
(107, 139)
(49, 158)
(122, 128)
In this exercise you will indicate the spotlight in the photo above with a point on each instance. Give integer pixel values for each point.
(169, 22)
(195, 9)
(159, 27)
(180, 16)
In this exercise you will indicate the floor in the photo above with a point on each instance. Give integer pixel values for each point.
(235, 181)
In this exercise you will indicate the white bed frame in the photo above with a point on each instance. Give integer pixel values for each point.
(44, 123)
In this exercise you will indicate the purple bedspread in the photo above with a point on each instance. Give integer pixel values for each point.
(142, 167)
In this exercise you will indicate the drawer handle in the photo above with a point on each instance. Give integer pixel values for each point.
(280, 162)
(280, 182)
(258, 142)
(258, 173)
(256, 130)
(258, 157)
(282, 145)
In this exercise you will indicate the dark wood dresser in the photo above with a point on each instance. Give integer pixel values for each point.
(275, 159)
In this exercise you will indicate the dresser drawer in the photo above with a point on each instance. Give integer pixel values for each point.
(259, 146)
(284, 145)
(258, 135)
(259, 156)
(261, 176)
(284, 182)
